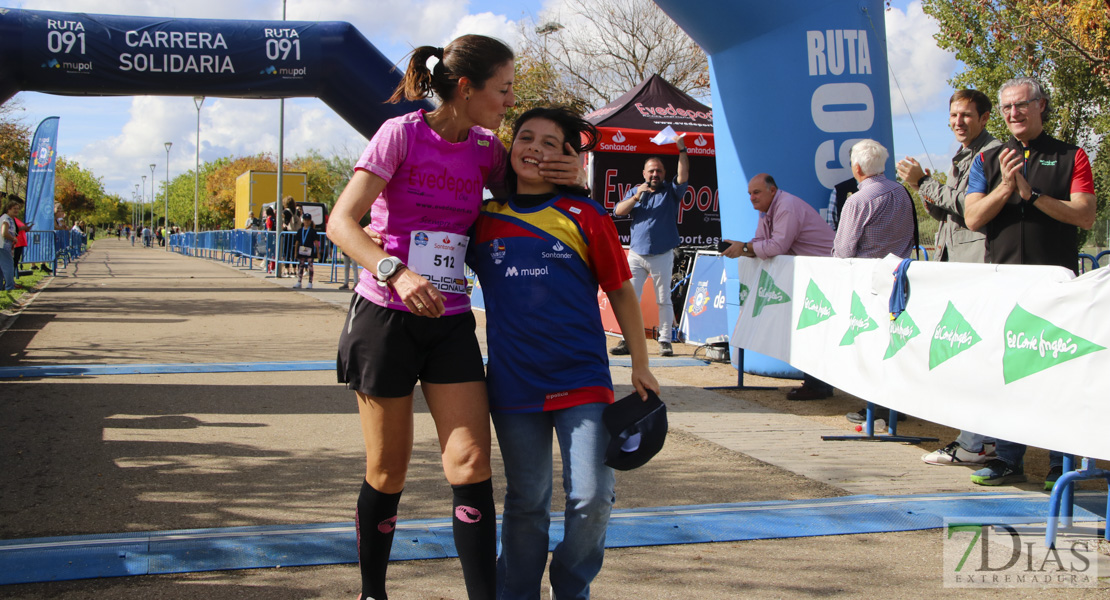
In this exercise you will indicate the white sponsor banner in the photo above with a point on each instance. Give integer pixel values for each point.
(1015, 352)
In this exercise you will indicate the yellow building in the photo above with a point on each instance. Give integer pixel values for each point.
(254, 189)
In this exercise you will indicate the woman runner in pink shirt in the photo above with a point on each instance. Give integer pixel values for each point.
(421, 179)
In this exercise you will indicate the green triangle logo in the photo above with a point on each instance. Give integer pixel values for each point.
(858, 322)
(744, 290)
(902, 330)
(767, 293)
(815, 307)
(1033, 345)
(952, 336)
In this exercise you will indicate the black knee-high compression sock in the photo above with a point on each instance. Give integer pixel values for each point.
(475, 528)
(375, 521)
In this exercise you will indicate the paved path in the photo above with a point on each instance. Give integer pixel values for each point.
(205, 450)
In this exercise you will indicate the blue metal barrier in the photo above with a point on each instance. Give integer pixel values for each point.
(1083, 258)
(1098, 259)
(243, 246)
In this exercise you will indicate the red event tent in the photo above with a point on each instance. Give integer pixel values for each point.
(626, 126)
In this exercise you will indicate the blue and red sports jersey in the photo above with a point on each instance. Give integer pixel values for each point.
(540, 269)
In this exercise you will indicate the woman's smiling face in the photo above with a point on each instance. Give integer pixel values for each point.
(535, 140)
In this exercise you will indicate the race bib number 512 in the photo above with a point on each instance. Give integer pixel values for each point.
(438, 256)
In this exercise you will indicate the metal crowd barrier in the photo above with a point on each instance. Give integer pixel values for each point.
(52, 247)
(243, 247)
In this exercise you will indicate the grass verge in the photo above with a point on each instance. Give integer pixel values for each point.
(24, 284)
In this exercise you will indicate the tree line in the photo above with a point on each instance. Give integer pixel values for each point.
(594, 50)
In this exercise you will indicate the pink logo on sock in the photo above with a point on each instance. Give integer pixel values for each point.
(467, 514)
(388, 525)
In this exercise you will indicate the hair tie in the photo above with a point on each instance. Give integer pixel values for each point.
(432, 62)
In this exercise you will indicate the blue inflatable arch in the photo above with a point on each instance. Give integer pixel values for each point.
(108, 55)
(795, 84)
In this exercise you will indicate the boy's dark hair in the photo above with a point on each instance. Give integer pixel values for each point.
(476, 57)
(578, 132)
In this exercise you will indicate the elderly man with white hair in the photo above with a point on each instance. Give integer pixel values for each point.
(879, 218)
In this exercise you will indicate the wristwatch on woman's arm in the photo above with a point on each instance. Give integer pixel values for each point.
(387, 267)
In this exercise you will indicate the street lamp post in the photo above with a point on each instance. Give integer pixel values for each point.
(166, 196)
(199, 101)
(152, 230)
(134, 208)
(142, 201)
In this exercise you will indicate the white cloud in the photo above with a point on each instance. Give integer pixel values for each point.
(920, 67)
(496, 26)
(229, 127)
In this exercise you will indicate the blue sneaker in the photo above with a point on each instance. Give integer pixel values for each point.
(998, 472)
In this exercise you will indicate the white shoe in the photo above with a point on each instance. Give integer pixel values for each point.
(297, 285)
(954, 454)
(309, 286)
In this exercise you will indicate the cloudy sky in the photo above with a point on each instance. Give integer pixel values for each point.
(117, 138)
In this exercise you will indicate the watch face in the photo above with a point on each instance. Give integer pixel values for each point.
(387, 267)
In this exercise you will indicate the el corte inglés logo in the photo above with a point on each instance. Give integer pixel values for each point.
(1032, 344)
(902, 330)
(744, 291)
(767, 293)
(952, 336)
(815, 307)
(858, 322)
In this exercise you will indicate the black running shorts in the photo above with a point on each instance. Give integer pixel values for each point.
(383, 352)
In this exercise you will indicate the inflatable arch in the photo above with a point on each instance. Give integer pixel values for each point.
(109, 55)
(795, 84)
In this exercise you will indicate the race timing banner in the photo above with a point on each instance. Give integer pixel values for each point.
(1014, 352)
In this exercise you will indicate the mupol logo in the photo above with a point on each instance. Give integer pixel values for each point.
(514, 272)
(270, 70)
(51, 64)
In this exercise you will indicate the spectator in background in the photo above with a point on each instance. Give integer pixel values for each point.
(837, 197)
(654, 206)
(21, 236)
(1030, 196)
(968, 113)
(877, 220)
(8, 235)
(291, 222)
(270, 225)
(307, 242)
(787, 225)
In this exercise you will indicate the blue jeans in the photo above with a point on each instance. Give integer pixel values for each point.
(1013, 454)
(7, 269)
(973, 442)
(525, 441)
